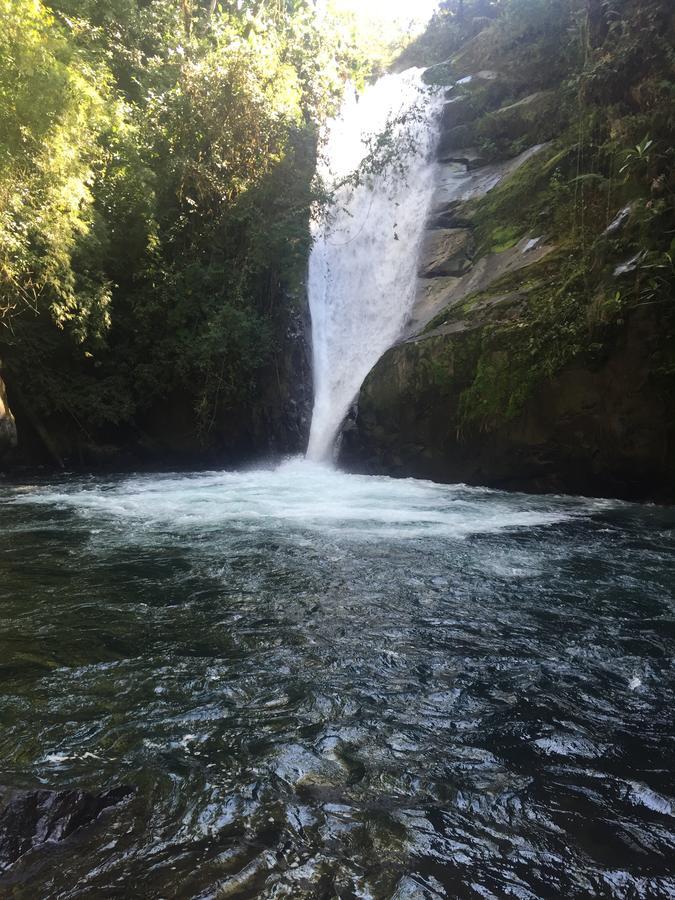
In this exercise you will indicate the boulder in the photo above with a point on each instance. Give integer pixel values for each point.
(533, 119)
(454, 139)
(599, 426)
(459, 110)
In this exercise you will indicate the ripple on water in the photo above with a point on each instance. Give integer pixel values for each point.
(330, 685)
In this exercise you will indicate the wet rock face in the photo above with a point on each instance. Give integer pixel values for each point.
(7, 424)
(464, 397)
(31, 818)
(447, 251)
(534, 118)
(454, 139)
(459, 110)
(598, 427)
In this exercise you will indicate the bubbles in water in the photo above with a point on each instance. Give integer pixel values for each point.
(302, 497)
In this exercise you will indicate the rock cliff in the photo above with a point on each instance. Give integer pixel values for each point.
(539, 353)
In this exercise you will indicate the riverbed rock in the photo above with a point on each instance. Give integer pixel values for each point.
(29, 818)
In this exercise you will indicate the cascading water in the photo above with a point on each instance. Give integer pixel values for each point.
(363, 265)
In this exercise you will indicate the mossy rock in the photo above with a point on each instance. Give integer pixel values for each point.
(535, 119)
(512, 209)
(504, 237)
(459, 110)
(484, 51)
(458, 138)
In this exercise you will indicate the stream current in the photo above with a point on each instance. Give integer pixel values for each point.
(327, 685)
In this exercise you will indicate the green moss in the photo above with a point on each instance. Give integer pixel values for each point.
(436, 368)
(509, 211)
(517, 356)
(504, 237)
(502, 383)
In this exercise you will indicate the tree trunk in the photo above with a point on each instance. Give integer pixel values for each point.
(186, 9)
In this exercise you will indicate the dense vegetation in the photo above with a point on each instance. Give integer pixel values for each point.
(156, 166)
(156, 176)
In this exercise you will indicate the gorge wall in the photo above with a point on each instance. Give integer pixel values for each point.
(540, 352)
(7, 424)
(272, 420)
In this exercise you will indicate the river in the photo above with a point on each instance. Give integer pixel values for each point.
(327, 685)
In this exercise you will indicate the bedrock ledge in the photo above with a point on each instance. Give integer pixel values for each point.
(600, 427)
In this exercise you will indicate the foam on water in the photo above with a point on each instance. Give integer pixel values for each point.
(302, 496)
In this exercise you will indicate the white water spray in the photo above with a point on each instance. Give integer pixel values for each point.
(363, 265)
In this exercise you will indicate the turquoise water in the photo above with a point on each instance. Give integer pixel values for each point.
(326, 685)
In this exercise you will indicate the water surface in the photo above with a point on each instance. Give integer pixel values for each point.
(324, 685)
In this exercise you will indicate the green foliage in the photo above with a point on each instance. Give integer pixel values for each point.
(637, 158)
(53, 106)
(156, 178)
(453, 24)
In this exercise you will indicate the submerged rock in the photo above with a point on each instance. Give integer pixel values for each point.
(31, 818)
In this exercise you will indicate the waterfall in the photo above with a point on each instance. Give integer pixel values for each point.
(363, 265)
